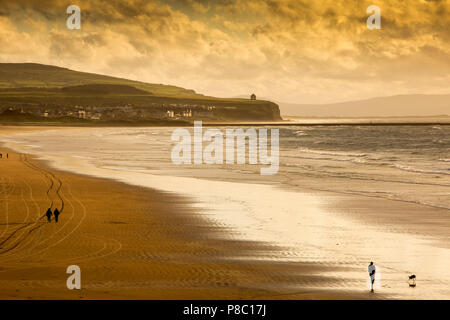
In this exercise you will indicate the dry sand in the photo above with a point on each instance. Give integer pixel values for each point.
(130, 243)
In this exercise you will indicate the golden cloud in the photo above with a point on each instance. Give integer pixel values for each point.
(294, 50)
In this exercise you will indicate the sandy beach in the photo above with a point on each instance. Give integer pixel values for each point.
(140, 235)
(130, 243)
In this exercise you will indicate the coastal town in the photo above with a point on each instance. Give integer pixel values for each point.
(119, 112)
(41, 104)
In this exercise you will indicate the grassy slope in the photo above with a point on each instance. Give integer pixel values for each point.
(35, 84)
(17, 75)
(14, 75)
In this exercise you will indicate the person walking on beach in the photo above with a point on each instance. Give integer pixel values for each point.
(49, 214)
(371, 270)
(56, 214)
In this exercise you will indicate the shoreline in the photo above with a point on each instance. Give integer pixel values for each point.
(344, 214)
(160, 249)
(287, 121)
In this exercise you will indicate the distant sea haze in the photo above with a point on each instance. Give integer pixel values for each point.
(413, 105)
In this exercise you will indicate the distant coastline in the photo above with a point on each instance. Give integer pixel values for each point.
(290, 121)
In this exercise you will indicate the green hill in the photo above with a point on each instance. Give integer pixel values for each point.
(43, 87)
(101, 89)
(16, 75)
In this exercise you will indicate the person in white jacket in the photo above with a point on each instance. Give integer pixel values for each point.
(372, 271)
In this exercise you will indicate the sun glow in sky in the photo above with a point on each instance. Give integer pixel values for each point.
(288, 50)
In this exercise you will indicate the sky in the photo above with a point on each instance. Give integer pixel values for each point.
(293, 51)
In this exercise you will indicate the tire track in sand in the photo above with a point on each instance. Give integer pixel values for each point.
(37, 224)
(7, 194)
(16, 241)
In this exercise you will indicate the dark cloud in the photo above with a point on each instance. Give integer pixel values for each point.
(226, 47)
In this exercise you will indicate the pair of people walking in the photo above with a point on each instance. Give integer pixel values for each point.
(55, 214)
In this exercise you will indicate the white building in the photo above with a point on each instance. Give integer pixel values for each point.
(170, 114)
(187, 113)
(81, 114)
